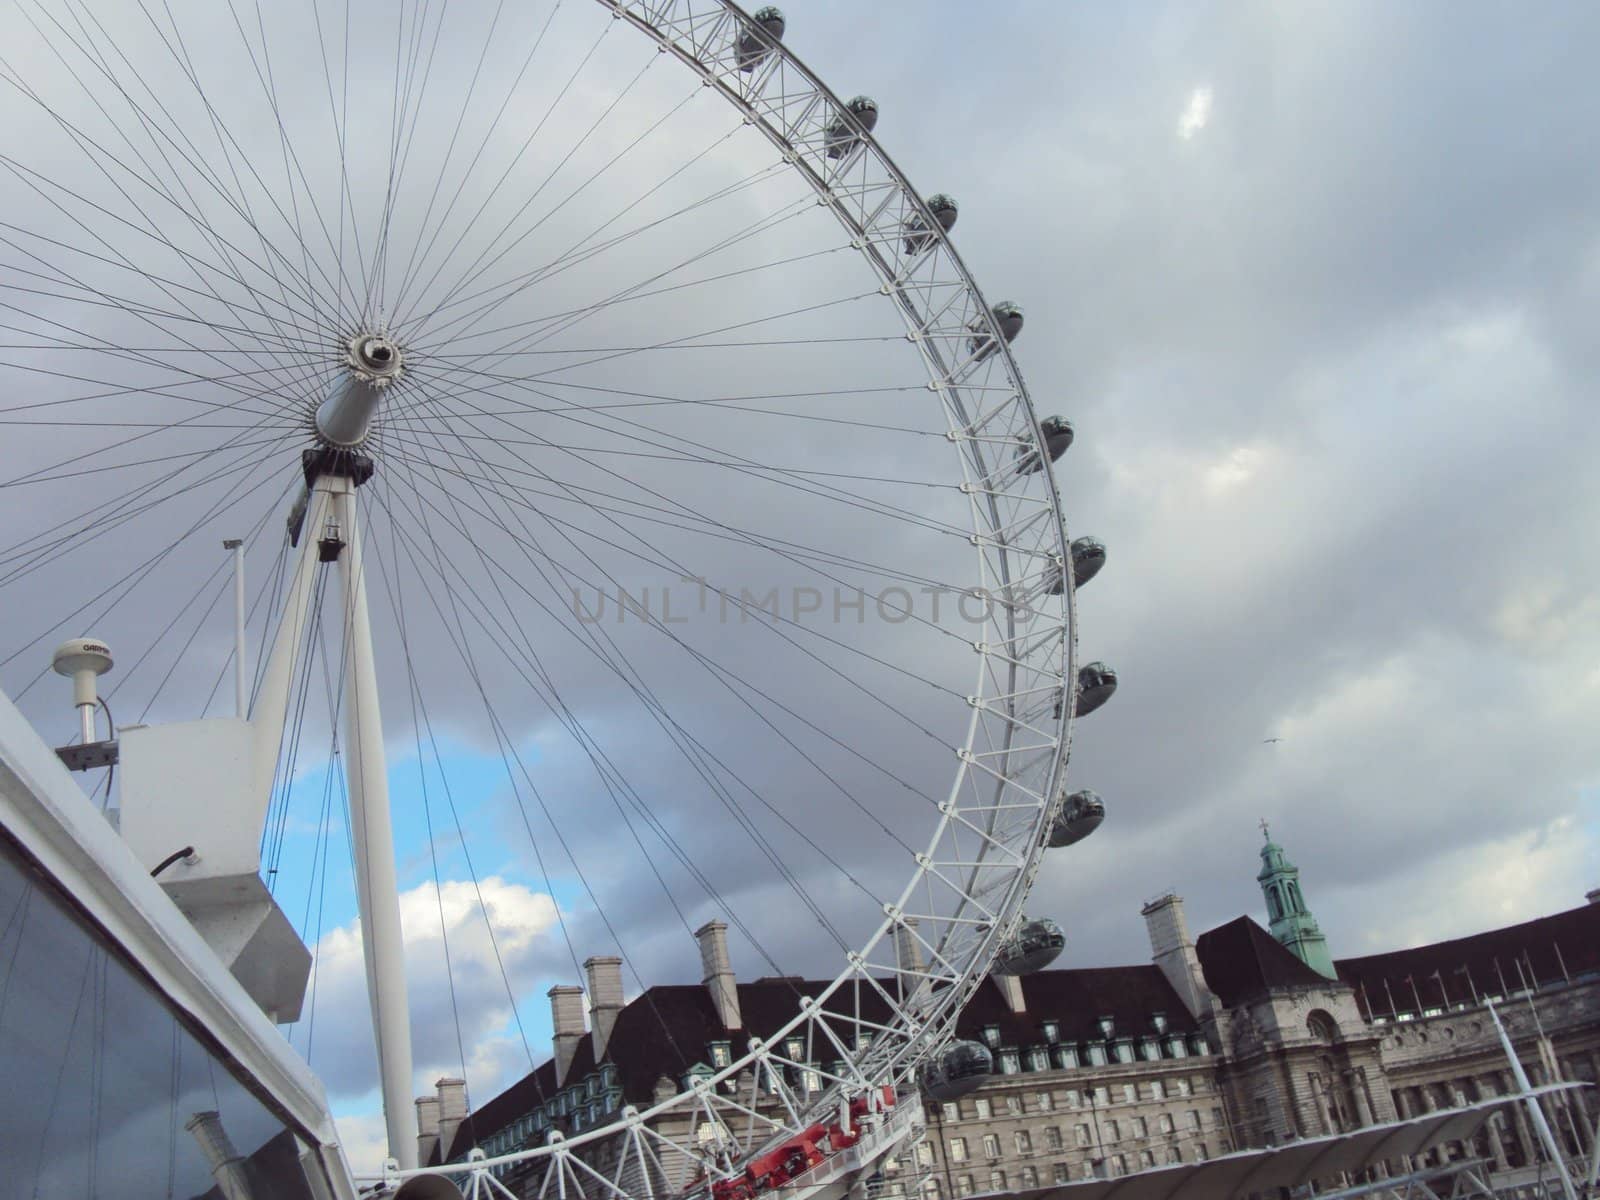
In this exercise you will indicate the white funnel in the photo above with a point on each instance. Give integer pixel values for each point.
(82, 660)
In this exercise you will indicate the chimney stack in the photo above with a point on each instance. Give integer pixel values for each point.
(1592, 896)
(427, 1128)
(1173, 952)
(605, 999)
(566, 1015)
(718, 967)
(226, 1163)
(908, 954)
(1011, 988)
(452, 1111)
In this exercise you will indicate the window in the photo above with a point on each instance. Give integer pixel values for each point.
(1067, 1057)
(991, 1035)
(795, 1048)
(1014, 1106)
(1200, 1154)
(1166, 1123)
(1174, 1155)
(1130, 1093)
(991, 1145)
(1180, 1087)
(1113, 1131)
(925, 1154)
(1060, 1173)
(1119, 1164)
(963, 1185)
(721, 1055)
(1146, 1160)
(1140, 1129)
(1024, 1142)
(1097, 1054)
(1216, 1117)
(930, 1188)
(1159, 1020)
(1102, 1095)
(1124, 1049)
(1052, 1031)
(997, 1180)
(1194, 1118)
(1149, 1049)
(1042, 1102)
(1158, 1090)
(1107, 1026)
(813, 1081)
(1010, 1062)
(958, 1149)
(1038, 1060)
(1052, 1136)
(1080, 1134)
(1074, 1100)
(950, 1111)
(1030, 1177)
(983, 1108)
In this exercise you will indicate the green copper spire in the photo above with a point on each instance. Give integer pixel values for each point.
(1292, 922)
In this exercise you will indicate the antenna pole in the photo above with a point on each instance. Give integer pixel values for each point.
(372, 836)
(241, 699)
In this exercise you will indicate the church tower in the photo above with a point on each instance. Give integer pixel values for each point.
(1292, 922)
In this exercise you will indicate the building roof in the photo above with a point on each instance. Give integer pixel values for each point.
(664, 1032)
(1241, 960)
(667, 1029)
(1550, 949)
(1076, 999)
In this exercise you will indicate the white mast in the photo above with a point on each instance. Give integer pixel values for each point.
(330, 532)
(372, 837)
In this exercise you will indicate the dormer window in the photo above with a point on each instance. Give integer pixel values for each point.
(991, 1035)
(1052, 1031)
(1159, 1020)
(1108, 1026)
(795, 1048)
(721, 1054)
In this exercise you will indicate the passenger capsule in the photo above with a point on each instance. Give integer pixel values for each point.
(1006, 315)
(752, 48)
(1080, 815)
(1034, 948)
(1096, 683)
(1058, 437)
(963, 1067)
(841, 136)
(919, 237)
(1088, 556)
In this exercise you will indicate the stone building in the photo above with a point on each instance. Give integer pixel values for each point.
(1240, 1038)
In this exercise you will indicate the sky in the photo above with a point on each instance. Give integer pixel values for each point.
(1314, 285)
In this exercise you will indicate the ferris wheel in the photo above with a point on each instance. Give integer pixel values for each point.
(673, 463)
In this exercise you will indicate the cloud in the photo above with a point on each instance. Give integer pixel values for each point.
(1196, 114)
(1331, 381)
(457, 976)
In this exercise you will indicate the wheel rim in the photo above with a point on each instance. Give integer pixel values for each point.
(966, 888)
